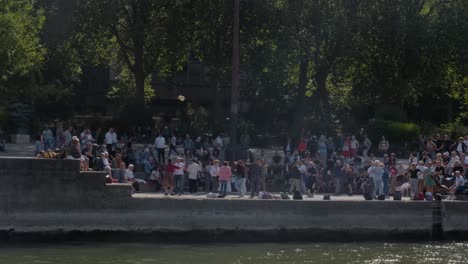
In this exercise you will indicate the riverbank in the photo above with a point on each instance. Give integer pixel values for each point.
(50, 200)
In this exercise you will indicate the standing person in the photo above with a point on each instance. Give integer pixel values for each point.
(386, 179)
(47, 138)
(330, 147)
(68, 136)
(378, 172)
(160, 144)
(168, 179)
(288, 147)
(303, 172)
(111, 141)
(393, 171)
(193, 170)
(312, 173)
(214, 172)
(322, 149)
(383, 146)
(338, 176)
(225, 175)
(206, 173)
(245, 141)
(421, 175)
(367, 144)
(255, 173)
(218, 145)
(60, 139)
(302, 147)
(179, 176)
(353, 147)
(346, 148)
(240, 179)
(431, 147)
(198, 148)
(188, 146)
(295, 178)
(173, 146)
(413, 180)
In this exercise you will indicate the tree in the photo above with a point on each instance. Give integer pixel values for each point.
(21, 51)
(145, 33)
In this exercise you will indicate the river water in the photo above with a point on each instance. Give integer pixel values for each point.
(322, 253)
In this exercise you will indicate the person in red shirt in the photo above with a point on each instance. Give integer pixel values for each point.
(302, 147)
(168, 180)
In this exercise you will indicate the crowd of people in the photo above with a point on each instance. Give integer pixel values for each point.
(341, 164)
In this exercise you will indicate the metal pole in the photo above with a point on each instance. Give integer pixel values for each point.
(235, 81)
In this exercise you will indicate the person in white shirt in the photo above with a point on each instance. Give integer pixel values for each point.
(173, 146)
(214, 172)
(160, 144)
(179, 177)
(421, 174)
(303, 171)
(193, 170)
(130, 177)
(111, 140)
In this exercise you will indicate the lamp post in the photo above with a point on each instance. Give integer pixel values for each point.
(235, 81)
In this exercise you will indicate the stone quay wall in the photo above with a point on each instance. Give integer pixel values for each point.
(51, 198)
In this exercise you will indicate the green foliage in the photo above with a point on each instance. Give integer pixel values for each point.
(398, 132)
(20, 48)
(123, 92)
(53, 101)
(454, 129)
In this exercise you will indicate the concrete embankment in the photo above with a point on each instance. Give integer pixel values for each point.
(52, 200)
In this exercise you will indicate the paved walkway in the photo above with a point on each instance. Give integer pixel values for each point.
(202, 196)
(18, 150)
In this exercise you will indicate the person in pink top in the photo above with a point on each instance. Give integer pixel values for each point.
(225, 175)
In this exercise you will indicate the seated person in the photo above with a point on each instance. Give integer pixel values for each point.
(90, 153)
(130, 177)
(75, 153)
(120, 173)
(459, 186)
(103, 164)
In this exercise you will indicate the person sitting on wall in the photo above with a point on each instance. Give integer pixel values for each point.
(75, 153)
(130, 177)
(90, 153)
(103, 164)
(458, 187)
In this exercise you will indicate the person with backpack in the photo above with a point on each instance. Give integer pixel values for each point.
(255, 174)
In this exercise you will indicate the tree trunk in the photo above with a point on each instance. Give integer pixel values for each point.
(140, 87)
(300, 99)
(321, 76)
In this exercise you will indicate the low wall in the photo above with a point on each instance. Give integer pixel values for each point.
(44, 197)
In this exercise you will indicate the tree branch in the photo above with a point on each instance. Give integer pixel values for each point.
(124, 48)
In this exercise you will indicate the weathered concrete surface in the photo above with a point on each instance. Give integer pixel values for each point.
(53, 197)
